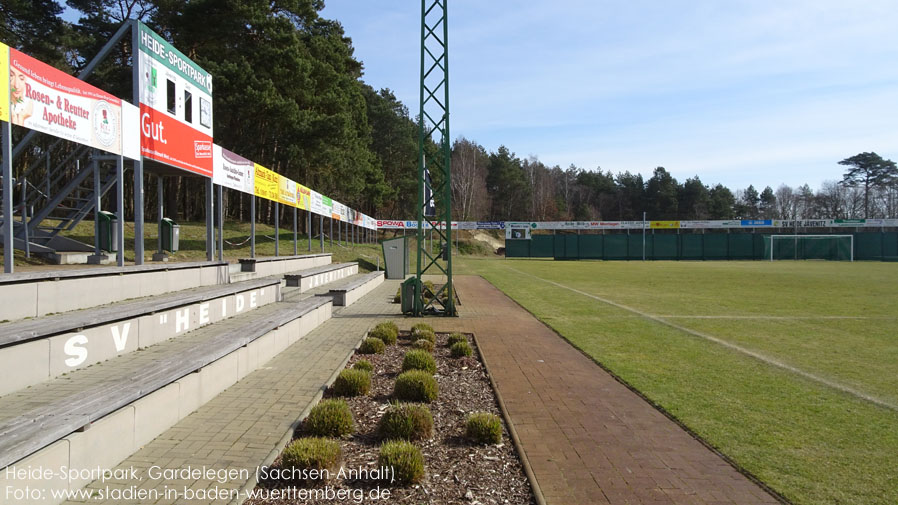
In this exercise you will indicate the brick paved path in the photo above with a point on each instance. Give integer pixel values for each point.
(241, 427)
(589, 439)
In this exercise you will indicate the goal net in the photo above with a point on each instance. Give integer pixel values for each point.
(809, 247)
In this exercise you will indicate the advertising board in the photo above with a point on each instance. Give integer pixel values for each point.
(48, 100)
(175, 106)
(233, 171)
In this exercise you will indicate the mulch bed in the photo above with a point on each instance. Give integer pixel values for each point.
(457, 472)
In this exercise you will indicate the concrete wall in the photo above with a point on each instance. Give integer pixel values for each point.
(313, 281)
(40, 297)
(116, 436)
(282, 266)
(349, 297)
(39, 360)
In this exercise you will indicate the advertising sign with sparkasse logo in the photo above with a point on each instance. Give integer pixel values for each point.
(175, 106)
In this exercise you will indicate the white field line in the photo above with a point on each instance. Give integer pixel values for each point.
(777, 318)
(754, 354)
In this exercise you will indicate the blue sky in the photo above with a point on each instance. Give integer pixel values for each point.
(737, 92)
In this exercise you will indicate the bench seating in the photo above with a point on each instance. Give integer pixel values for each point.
(280, 265)
(44, 414)
(349, 292)
(319, 276)
(34, 350)
(34, 294)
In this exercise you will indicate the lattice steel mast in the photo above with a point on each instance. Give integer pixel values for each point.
(433, 125)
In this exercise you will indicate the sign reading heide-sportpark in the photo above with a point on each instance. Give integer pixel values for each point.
(48, 100)
(175, 106)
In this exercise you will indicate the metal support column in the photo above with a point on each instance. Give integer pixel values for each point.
(277, 229)
(210, 227)
(138, 212)
(97, 208)
(252, 226)
(120, 208)
(295, 237)
(220, 214)
(332, 234)
(321, 231)
(434, 169)
(159, 191)
(309, 228)
(7, 197)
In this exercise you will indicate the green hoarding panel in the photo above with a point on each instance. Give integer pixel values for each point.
(634, 244)
(517, 248)
(591, 247)
(558, 251)
(890, 246)
(741, 246)
(615, 247)
(664, 247)
(715, 246)
(542, 246)
(869, 246)
(692, 247)
(758, 245)
(571, 247)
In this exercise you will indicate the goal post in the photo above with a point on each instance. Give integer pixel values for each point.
(806, 247)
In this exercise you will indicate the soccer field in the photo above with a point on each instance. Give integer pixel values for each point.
(788, 368)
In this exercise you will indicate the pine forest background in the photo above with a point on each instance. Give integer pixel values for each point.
(290, 95)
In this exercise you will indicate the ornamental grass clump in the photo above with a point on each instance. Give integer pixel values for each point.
(404, 460)
(385, 333)
(455, 338)
(420, 328)
(363, 364)
(352, 382)
(483, 428)
(424, 344)
(372, 345)
(419, 359)
(425, 333)
(460, 349)
(406, 421)
(416, 386)
(312, 453)
(330, 418)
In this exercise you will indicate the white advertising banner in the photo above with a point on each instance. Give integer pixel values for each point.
(232, 171)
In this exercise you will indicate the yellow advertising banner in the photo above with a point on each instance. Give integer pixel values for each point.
(665, 225)
(266, 183)
(303, 197)
(4, 82)
(287, 192)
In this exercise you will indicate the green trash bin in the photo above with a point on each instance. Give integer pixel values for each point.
(171, 235)
(108, 231)
(408, 295)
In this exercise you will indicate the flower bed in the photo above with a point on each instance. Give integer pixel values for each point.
(456, 469)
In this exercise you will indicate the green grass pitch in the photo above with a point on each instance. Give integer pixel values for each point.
(788, 368)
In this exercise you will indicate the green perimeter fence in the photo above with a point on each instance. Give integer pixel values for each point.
(878, 246)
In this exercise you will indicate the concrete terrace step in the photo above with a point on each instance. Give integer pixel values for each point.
(319, 276)
(34, 350)
(279, 265)
(248, 424)
(354, 288)
(221, 354)
(35, 294)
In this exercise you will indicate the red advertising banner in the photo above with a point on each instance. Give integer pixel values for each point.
(170, 141)
(48, 100)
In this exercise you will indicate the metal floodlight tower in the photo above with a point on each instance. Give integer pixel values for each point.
(433, 125)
